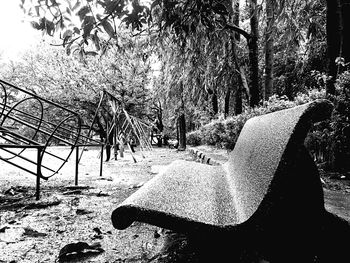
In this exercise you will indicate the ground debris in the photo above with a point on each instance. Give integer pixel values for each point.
(78, 187)
(3, 229)
(72, 192)
(30, 232)
(79, 250)
(106, 178)
(29, 203)
(102, 194)
(81, 211)
(15, 190)
(98, 235)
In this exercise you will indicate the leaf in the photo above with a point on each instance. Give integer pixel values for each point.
(87, 25)
(83, 12)
(108, 28)
(36, 25)
(33, 233)
(37, 10)
(68, 49)
(67, 36)
(155, 3)
(67, 33)
(91, 53)
(79, 250)
(96, 40)
(76, 30)
(76, 6)
(220, 9)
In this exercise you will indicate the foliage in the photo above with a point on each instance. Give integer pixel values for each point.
(77, 83)
(201, 61)
(300, 46)
(80, 23)
(224, 133)
(340, 125)
(328, 141)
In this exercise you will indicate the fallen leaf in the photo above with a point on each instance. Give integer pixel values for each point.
(3, 229)
(79, 250)
(33, 233)
(83, 212)
(97, 230)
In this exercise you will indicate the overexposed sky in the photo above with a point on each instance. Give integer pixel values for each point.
(17, 35)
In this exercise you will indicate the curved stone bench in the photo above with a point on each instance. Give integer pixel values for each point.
(268, 195)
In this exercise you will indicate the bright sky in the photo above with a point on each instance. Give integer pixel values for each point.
(17, 35)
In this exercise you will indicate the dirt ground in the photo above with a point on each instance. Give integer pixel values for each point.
(33, 231)
(36, 231)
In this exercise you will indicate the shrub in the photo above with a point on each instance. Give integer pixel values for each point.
(328, 141)
(223, 133)
(193, 138)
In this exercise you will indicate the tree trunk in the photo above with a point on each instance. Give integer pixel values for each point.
(234, 38)
(182, 132)
(181, 123)
(253, 54)
(235, 17)
(334, 41)
(269, 53)
(345, 17)
(227, 100)
(214, 103)
(238, 100)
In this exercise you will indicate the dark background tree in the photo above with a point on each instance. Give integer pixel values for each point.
(338, 38)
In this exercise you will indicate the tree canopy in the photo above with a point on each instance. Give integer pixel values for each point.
(217, 58)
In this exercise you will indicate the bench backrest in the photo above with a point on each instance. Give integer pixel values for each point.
(261, 147)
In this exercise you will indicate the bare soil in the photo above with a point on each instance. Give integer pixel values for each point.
(36, 231)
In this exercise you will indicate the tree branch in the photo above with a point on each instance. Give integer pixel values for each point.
(238, 30)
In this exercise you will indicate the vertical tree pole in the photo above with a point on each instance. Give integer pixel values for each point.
(269, 52)
(182, 122)
(334, 30)
(253, 54)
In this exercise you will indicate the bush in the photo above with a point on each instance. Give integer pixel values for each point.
(328, 141)
(223, 133)
(193, 138)
(340, 126)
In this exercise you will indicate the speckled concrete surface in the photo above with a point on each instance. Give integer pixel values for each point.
(190, 194)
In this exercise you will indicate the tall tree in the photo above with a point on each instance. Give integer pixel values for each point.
(269, 48)
(338, 38)
(181, 122)
(254, 52)
(334, 40)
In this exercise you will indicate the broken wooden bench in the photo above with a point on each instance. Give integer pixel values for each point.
(267, 199)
